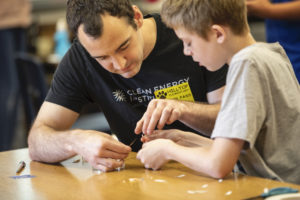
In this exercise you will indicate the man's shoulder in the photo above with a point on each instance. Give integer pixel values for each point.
(161, 27)
(76, 47)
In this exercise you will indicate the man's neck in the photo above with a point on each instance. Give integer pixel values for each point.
(149, 33)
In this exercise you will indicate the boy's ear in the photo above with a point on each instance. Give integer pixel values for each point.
(138, 16)
(219, 33)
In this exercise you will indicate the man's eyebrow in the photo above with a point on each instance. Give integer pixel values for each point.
(123, 44)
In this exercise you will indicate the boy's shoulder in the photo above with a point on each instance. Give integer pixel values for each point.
(261, 52)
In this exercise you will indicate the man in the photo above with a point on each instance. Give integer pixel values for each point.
(121, 61)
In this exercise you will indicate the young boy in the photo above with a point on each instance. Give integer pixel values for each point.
(259, 121)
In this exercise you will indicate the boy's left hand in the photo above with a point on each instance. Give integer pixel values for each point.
(154, 154)
(172, 134)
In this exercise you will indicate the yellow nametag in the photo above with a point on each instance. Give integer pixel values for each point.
(180, 92)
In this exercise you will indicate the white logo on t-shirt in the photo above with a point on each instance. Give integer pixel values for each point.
(119, 96)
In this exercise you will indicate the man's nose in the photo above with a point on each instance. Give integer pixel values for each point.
(119, 62)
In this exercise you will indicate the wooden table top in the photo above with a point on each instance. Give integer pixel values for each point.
(75, 180)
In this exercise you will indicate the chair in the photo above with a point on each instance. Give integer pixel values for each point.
(34, 89)
(33, 84)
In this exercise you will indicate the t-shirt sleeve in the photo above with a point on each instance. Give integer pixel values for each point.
(216, 79)
(67, 87)
(242, 110)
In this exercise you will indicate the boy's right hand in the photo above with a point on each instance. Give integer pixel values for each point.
(183, 138)
(175, 135)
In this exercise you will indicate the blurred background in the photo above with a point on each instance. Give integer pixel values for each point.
(47, 13)
(45, 41)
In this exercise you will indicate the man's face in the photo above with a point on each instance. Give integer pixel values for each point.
(119, 49)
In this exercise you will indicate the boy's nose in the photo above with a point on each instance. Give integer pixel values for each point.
(186, 51)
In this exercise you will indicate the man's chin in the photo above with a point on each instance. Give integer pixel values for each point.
(129, 74)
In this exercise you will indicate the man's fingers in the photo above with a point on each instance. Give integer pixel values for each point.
(107, 164)
(147, 119)
(100, 167)
(156, 116)
(148, 115)
(139, 126)
(165, 117)
(112, 154)
(117, 147)
(173, 116)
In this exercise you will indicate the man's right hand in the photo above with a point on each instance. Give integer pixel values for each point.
(101, 150)
(51, 140)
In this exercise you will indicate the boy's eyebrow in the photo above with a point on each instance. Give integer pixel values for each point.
(123, 44)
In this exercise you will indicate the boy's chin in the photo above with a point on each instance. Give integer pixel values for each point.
(210, 68)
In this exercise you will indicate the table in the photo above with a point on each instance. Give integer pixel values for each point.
(75, 180)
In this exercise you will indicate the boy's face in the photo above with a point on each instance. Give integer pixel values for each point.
(119, 49)
(205, 52)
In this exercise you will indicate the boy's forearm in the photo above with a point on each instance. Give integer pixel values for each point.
(199, 159)
(216, 159)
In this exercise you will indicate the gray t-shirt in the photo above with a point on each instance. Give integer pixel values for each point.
(261, 105)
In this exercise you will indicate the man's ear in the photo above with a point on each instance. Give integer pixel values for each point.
(138, 16)
(219, 33)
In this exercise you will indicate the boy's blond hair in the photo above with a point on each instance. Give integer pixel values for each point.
(199, 15)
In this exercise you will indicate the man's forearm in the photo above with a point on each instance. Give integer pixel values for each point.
(48, 145)
(200, 116)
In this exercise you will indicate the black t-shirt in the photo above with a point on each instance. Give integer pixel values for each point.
(80, 80)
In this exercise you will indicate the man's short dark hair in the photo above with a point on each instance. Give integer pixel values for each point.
(88, 13)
